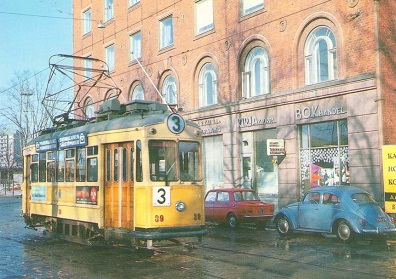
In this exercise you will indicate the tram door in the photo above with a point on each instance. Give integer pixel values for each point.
(119, 185)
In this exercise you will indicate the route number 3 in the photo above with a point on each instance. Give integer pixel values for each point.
(175, 123)
(161, 196)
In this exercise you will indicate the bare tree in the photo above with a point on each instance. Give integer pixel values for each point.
(23, 106)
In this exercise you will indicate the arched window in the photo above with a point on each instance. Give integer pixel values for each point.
(320, 56)
(137, 93)
(89, 109)
(169, 90)
(255, 78)
(207, 85)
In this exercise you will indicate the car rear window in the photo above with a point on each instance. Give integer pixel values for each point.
(361, 198)
(246, 196)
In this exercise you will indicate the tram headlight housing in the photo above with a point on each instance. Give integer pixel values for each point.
(180, 206)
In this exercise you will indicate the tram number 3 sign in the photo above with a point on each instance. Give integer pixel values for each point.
(161, 196)
(175, 123)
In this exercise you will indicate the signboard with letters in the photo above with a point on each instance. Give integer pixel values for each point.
(389, 170)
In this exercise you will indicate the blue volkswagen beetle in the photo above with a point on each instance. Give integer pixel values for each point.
(341, 210)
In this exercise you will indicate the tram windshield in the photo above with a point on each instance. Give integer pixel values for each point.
(171, 161)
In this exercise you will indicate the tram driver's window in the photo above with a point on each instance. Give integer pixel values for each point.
(163, 157)
(189, 158)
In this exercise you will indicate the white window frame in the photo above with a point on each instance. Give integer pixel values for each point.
(133, 2)
(89, 108)
(137, 93)
(250, 77)
(251, 6)
(203, 16)
(169, 90)
(108, 10)
(87, 65)
(207, 70)
(136, 46)
(110, 57)
(166, 32)
(87, 21)
(314, 64)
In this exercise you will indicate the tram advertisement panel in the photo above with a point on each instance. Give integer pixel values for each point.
(389, 165)
(87, 195)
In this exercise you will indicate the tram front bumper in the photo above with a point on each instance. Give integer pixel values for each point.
(169, 233)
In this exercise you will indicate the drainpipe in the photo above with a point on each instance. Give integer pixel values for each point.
(380, 100)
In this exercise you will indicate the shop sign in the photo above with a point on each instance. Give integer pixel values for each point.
(275, 147)
(253, 120)
(315, 111)
(389, 170)
(210, 126)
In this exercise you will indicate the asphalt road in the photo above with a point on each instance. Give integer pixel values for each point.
(246, 252)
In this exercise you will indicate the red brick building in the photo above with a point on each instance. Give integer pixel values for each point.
(316, 76)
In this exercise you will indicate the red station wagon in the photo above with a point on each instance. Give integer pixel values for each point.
(237, 205)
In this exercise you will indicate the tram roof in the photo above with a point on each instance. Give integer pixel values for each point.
(107, 122)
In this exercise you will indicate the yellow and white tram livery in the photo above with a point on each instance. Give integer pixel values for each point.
(131, 174)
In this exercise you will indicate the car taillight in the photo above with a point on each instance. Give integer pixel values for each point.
(391, 219)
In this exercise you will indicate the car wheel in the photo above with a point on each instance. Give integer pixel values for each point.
(344, 231)
(283, 225)
(232, 220)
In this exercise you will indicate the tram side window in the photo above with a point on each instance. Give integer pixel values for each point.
(42, 167)
(70, 165)
(60, 173)
(51, 167)
(92, 164)
(108, 164)
(81, 166)
(124, 164)
(116, 164)
(139, 162)
(131, 164)
(34, 168)
(189, 157)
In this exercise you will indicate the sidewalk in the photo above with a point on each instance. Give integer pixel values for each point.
(10, 193)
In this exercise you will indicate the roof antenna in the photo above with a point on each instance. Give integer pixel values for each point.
(156, 89)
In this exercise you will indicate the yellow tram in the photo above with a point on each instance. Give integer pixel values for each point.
(132, 174)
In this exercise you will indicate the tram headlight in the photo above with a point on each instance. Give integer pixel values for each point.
(180, 206)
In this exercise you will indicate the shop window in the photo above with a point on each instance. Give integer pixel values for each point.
(213, 161)
(324, 154)
(255, 77)
(320, 56)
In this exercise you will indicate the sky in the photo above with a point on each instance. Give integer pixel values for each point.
(31, 31)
